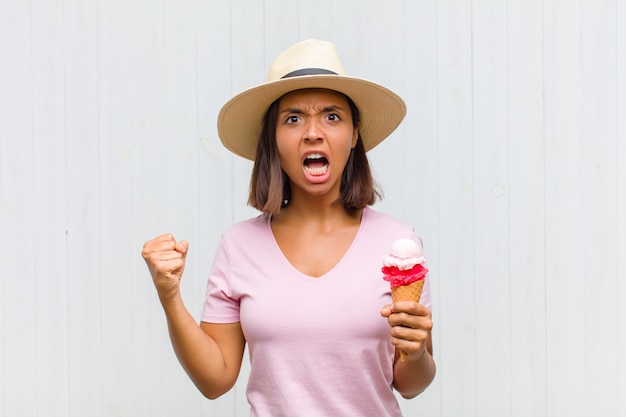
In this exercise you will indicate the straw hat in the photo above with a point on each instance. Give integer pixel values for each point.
(308, 64)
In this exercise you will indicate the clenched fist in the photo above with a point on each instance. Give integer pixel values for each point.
(166, 261)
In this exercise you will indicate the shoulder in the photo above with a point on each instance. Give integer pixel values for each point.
(248, 233)
(382, 229)
(246, 227)
(374, 218)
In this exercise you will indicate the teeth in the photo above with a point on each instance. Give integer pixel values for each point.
(316, 171)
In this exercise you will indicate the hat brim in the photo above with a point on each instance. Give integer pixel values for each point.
(240, 120)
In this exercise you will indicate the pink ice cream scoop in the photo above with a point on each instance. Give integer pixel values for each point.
(404, 264)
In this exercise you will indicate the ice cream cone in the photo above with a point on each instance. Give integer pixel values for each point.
(411, 292)
(404, 269)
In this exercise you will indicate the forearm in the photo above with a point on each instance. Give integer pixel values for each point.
(413, 375)
(198, 353)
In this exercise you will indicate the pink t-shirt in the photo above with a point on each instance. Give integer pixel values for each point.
(318, 346)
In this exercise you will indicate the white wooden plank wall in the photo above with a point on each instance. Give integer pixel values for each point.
(510, 164)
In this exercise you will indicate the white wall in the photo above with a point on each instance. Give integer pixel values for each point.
(510, 164)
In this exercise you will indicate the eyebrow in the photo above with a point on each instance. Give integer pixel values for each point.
(326, 109)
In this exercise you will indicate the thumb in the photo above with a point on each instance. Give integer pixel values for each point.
(182, 247)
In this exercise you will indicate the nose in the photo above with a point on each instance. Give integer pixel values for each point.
(314, 130)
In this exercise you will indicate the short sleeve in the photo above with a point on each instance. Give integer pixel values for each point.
(219, 304)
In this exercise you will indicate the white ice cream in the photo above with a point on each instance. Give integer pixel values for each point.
(404, 254)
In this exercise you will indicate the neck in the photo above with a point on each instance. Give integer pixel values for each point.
(317, 211)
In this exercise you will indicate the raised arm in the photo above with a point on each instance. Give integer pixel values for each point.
(211, 354)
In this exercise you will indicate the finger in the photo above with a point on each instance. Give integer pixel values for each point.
(182, 247)
(158, 244)
(410, 321)
(171, 256)
(158, 257)
(162, 246)
(174, 249)
(411, 307)
(164, 236)
(409, 346)
(410, 333)
(170, 265)
(409, 340)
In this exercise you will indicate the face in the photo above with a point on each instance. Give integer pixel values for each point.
(314, 137)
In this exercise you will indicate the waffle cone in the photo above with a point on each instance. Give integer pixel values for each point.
(411, 292)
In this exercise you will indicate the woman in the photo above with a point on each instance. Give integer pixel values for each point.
(301, 283)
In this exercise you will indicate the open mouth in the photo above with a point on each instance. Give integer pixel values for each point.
(316, 164)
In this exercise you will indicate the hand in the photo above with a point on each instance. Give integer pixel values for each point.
(411, 324)
(166, 261)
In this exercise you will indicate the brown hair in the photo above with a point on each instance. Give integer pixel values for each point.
(269, 185)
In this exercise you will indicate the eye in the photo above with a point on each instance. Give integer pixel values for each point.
(333, 117)
(292, 119)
